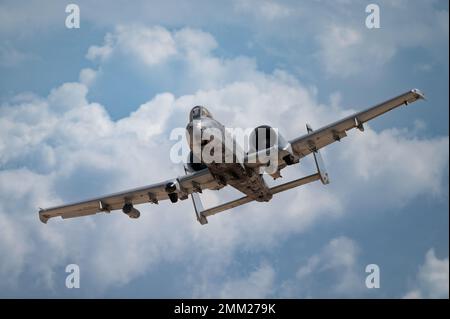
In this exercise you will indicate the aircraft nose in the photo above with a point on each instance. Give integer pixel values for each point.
(193, 132)
(194, 126)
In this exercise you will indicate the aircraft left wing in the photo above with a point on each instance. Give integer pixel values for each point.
(182, 186)
(315, 140)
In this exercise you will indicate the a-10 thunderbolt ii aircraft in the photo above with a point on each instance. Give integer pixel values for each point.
(244, 173)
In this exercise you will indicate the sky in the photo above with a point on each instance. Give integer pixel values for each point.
(88, 111)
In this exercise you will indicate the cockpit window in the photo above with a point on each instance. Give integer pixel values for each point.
(205, 112)
(198, 112)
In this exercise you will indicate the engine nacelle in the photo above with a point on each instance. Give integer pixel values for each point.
(193, 164)
(264, 137)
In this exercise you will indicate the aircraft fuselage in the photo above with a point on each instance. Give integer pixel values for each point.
(228, 172)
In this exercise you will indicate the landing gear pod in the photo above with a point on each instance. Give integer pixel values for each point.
(319, 162)
(131, 211)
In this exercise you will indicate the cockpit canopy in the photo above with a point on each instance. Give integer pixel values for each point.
(198, 112)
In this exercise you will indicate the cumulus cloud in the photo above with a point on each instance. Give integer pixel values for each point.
(259, 283)
(347, 47)
(87, 76)
(341, 43)
(345, 51)
(64, 147)
(334, 271)
(158, 50)
(380, 156)
(432, 278)
(11, 57)
(269, 10)
(152, 45)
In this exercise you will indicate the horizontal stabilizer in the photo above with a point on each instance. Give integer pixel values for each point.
(244, 200)
(198, 206)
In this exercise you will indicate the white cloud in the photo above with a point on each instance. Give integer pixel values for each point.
(150, 45)
(13, 251)
(347, 47)
(102, 52)
(337, 262)
(149, 119)
(11, 57)
(87, 76)
(376, 158)
(153, 45)
(432, 279)
(269, 10)
(67, 148)
(158, 50)
(345, 51)
(69, 96)
(258, 284)
(194, 41)
(340, 40)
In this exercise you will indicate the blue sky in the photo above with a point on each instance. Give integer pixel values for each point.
(89, 111)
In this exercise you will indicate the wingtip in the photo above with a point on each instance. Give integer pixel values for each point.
(419, 94)
(42, 217)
